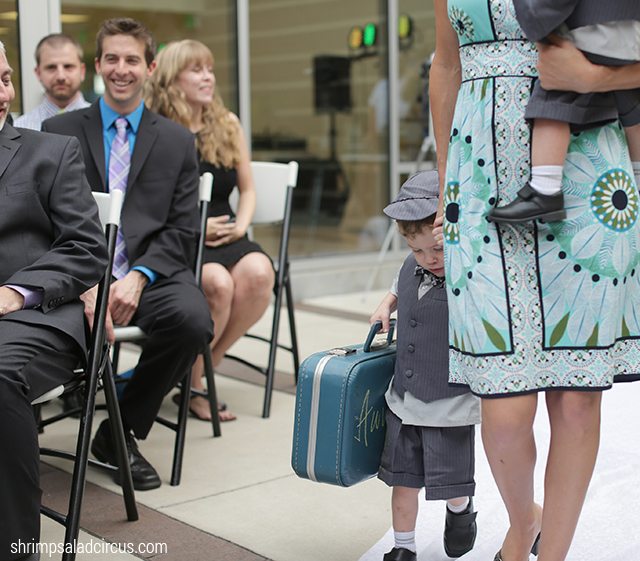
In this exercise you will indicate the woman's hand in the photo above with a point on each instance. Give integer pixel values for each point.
(438, 233)
(222, 232)
(563, 67)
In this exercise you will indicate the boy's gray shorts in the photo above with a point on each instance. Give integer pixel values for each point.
(440, 459)
(584, 111)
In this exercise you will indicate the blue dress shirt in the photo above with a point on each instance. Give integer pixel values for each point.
(109, 117)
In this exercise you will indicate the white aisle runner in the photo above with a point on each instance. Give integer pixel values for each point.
(610, 522)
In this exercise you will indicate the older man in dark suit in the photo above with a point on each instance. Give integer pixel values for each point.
(154, 161)
(52, 250)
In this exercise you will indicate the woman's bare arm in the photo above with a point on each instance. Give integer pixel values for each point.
(444, 83)
(563, 67)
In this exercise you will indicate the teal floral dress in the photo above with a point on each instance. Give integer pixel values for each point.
(534, 306)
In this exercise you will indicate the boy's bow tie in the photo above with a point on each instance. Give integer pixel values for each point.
(430, 277)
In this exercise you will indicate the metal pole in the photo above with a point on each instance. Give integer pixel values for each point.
(244, 68)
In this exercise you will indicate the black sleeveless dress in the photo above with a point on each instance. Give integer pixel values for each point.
(224, 181)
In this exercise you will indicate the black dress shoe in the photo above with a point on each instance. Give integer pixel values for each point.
(530, 205)
(72, 401)
(460, 531)
(144, 475)
(400, 554)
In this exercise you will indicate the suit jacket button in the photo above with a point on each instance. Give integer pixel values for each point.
(408, 373)
(411, 348)
(413, 323)
(51, 303)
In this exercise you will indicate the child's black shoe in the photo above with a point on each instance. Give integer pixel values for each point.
(460, 531)
(400, 554)
(530, 205)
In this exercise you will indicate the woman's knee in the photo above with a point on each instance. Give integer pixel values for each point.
(218, 285)
(255, 276)
(507, 420)
(574, 409)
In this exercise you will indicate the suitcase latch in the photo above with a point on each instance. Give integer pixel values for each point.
(342, 351)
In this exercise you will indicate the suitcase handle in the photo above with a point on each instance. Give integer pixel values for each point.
(375, 327)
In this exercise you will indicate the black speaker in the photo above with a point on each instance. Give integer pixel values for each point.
(331, 83)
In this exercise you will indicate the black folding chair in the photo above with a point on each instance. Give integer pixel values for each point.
(98, 367)
(274, 191)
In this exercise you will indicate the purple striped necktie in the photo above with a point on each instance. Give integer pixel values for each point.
(119, 164)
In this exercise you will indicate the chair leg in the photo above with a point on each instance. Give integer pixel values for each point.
(292, 326)
(115, 357)
(181, 430)
(273, 347)
(117, 431)
(211, 392)
(80, 469)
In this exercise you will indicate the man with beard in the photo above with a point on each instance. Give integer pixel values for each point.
(60, 70)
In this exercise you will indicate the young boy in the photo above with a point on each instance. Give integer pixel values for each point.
(608, 33)
(430, 425)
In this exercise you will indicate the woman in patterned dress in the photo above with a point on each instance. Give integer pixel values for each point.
(533, 307)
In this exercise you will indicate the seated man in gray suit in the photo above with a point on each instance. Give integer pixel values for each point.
(52, 250)
(153, 160)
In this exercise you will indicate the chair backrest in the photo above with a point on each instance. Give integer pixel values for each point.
(206, 186)
(109, 207)
(271, 180)
(204, 196)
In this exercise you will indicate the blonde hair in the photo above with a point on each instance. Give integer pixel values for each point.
(218, 140)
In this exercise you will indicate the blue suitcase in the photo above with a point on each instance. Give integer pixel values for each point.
(339, 423)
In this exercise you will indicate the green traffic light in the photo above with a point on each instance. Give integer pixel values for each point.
(370, 35)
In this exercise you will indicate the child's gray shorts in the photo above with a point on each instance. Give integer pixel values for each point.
(440, 459)
(584, 111)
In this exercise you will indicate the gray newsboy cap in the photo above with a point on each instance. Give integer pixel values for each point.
(417, 199)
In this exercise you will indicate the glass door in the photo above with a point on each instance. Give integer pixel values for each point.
(322, 102)
(213, 23)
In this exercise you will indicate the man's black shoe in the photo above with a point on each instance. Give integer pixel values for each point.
(72, 401)
(144, 475)
(460, 531)
(400, 554)
(530, 205)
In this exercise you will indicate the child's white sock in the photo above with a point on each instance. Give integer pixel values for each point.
(407, 540)
(636, 172)
(458, 509)
(546, 180)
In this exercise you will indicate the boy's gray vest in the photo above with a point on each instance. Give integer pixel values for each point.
(422, 360)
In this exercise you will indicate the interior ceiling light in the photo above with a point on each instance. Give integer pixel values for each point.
(74, 18)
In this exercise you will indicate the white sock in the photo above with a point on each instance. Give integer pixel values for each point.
(407, 540)
(458, 509)
(546, 180)
(636, 172)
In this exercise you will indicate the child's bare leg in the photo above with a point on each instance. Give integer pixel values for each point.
(544, 200)
(404, 508)
(549, 143)
(404, 511)
(633, 140)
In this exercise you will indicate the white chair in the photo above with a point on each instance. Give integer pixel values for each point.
(274, 191)
(98, 367)
(133, 334)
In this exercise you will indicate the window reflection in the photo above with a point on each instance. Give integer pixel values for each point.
(9, 36)
(213, 25)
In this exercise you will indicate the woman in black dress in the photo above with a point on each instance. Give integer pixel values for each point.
(237, 277)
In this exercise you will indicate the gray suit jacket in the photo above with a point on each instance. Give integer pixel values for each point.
(160, 212)
(51, 239)
(539, 18)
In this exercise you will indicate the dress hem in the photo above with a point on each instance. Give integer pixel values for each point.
(630, 378)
